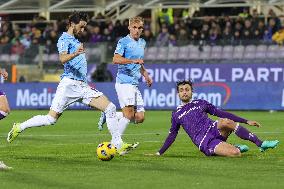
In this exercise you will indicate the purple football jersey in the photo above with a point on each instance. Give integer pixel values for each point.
(193, 117)
(1, 93)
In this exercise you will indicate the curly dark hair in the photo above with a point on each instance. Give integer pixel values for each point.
(76, 17)
(184, 82)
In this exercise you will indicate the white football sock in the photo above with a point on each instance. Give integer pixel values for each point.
(112, 125)
(38, 121)
(122, 124)
(119, 115)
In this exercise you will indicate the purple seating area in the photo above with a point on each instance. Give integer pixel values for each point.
(191, 52)
(172, 54)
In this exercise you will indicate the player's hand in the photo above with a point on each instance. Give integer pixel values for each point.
(253, 123)
(149, 81)
(80, 50)
(138, 61)
(4, 74)
(155, 154)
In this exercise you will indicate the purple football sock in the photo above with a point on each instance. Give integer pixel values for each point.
(243, 133)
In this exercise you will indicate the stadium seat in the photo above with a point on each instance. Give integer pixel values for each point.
(204, 55)
(228, 48)
(280, 52)
(193, 49)
(260, 52)
(162, 53)
(250, 48)
(173, 53)
(249, 55)
(217, 49)
(183, 53)
(193, 55)
(272, 51)
(206, 49)
(238, 52)
(4, 57)
(261, 48)
(193, 52)
(237, 55)
(14, 58)
(216, 55)
(151, 53)
(227, 55)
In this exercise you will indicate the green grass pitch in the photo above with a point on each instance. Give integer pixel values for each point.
(64, 156)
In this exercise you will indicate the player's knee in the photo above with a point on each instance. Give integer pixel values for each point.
(227, 124)
(129, 116)
(6, 110)
(50, 120)
(235, 152)
(110, 110)
(4, 113)
(139, 119)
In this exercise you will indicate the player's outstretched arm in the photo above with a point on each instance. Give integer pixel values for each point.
(223, 114)
(213, 110)
(172, 135)
(118, 59)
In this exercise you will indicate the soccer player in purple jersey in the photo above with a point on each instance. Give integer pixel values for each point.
(4, 105)
(210, 136)
(4, 110)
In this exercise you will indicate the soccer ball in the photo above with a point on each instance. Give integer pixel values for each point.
(106, 151)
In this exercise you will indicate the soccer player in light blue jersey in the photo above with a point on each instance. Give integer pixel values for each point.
(128, 55)
(73, 86)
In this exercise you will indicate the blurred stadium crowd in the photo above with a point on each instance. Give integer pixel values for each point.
(178, 38)
(174, 30)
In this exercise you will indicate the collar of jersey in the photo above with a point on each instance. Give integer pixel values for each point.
(67, 35)
(132, 38)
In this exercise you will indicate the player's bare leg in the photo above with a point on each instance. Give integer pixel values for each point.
(227, 150)
(139, 117)
(4, 106)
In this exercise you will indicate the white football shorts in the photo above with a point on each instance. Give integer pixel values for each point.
(129, 95)
(70, 91)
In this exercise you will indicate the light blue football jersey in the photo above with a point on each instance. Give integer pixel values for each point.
(129, 48)
(76, 68)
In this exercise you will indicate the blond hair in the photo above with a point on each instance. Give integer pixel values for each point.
(136, 19)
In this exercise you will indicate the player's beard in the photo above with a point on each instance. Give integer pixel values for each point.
(186, 99)
(76, 33)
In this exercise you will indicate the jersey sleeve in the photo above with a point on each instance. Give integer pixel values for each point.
(213, 110)
(62, 45)
(120, 48)
(172, 135)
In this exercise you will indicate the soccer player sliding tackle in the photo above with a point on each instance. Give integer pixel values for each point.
(210, 136)
(73, 87)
